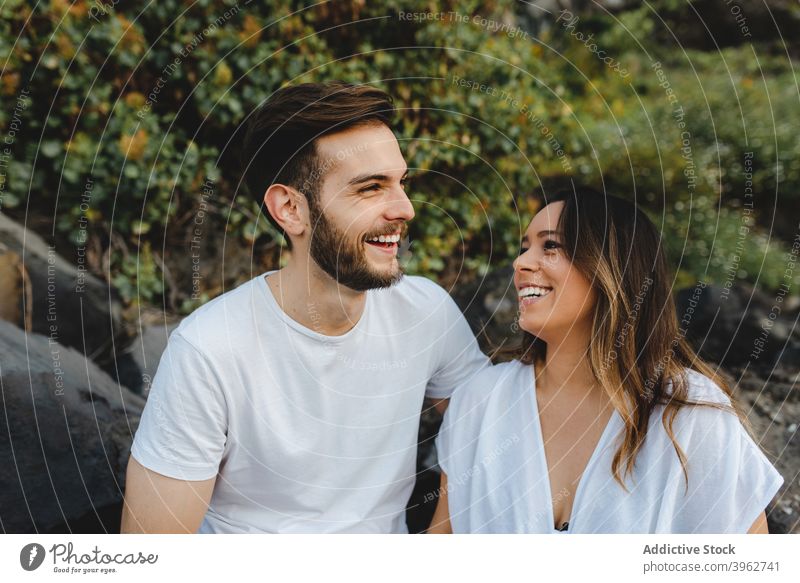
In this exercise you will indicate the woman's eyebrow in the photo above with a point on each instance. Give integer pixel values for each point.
(546, 233)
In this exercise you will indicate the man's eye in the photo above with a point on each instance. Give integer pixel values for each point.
(371, 188)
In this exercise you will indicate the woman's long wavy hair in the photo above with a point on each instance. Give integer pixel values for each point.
(638, 352)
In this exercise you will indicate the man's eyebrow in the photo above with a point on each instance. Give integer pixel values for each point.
(376, 177)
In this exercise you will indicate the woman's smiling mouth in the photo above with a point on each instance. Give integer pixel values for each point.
(530, 294)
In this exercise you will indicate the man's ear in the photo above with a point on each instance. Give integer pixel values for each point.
(288, 207)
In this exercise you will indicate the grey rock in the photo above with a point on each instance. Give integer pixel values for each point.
(144, 354)
(70, 305)
(490, 306)
(733, 326)
(66, 433)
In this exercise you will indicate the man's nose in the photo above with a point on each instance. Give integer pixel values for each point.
(399, 206)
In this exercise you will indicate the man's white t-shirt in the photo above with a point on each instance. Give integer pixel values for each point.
(308, 433)
(490, 446)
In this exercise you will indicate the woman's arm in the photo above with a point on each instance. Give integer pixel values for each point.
(441, 518)
(759, 526)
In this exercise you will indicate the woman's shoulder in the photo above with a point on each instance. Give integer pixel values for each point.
(702, 389)
(711, 419)
(475, 406)
(491, 380)
(486, 388)
(726, 481)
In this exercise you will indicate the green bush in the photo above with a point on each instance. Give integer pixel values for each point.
(94, 130)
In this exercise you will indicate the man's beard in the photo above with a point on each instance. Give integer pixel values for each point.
(343, 260)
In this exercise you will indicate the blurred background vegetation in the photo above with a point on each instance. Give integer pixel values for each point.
(117, 113)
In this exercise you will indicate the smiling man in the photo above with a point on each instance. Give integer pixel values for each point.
(292, 403)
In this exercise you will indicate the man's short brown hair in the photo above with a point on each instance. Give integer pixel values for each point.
(280, 138)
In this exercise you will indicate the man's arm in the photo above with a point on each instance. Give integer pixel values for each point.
(459, 357)
(157, 504)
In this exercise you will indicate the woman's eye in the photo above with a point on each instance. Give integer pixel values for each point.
(551, 245)
(523, 250)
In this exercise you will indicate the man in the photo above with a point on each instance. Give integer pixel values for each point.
(292, 403)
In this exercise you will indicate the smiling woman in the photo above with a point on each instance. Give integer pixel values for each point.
(605, 403)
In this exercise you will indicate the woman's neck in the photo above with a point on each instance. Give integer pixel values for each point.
(566, 367)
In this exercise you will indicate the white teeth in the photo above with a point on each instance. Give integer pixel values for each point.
(385, 239)
(533, 291)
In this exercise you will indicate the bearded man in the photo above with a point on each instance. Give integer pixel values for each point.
(291, 404)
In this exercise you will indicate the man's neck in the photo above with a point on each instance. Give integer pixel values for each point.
(314, 299)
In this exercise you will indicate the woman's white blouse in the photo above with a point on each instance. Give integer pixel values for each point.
(490, 446)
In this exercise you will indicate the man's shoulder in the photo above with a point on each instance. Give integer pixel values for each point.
(419, 287)
(414, 294)
(414, 300)
(215, 323)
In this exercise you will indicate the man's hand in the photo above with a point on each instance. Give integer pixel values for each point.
(158, 504)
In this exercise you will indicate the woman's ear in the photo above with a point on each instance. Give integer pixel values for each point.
(288, 207)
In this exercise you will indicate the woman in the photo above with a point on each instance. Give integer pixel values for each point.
(606, 421)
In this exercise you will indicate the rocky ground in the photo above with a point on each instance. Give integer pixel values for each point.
(773, 407)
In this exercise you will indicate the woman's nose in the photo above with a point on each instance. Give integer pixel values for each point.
(526, 261)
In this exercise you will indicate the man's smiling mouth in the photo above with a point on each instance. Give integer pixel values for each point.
(384, 241)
